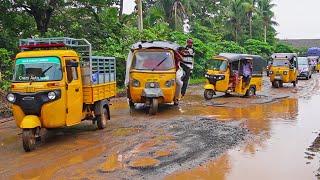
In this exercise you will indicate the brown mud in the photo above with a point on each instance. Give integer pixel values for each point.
(218, 139)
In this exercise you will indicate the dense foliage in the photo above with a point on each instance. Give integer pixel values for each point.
(243, 26)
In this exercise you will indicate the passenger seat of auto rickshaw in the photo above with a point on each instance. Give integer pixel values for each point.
(234, 76)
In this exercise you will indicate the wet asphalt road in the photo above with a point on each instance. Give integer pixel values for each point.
(219, 139)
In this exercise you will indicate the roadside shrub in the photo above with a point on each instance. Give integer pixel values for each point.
(5, 69)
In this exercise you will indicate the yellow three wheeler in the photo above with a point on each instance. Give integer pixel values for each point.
(284, 69)
(225, 74)
(51, 90)
(151, 74)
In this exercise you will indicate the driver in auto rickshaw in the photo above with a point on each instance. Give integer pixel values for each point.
(247, 72)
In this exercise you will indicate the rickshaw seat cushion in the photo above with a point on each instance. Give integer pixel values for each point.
(152, 93)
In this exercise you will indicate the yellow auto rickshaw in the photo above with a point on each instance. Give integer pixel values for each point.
(151, 74)
(51, 90)
(315, 63)
(284, 69)
(225, 74)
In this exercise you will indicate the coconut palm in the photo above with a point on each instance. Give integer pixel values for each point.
(249, 8)
(235, 14)
(266, 13)
(173, 10)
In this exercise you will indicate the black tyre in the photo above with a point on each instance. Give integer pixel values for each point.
(208, 94)
(154, 106)
(176, 103)
(103, 118)
(251, 92)
(29, 139)
(295, 83)
(276, 84)
(281, 84)
(131, 104)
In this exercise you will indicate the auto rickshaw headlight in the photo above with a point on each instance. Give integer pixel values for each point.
(52, 95)
(170, 83)
(11, 98)
(206, 76)
(271, 72)
(285, 72)
(135, 83)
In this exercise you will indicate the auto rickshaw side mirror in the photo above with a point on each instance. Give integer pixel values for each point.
(72, 64)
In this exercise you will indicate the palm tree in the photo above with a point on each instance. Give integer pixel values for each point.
(235, 15)
(266, 13)
(178, 12)
(121, 8)
(249, 8)
(173, 11)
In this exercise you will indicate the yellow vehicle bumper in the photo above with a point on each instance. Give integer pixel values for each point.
(209, 86)
(30, 122)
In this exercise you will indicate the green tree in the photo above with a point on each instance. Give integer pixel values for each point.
(235, 17)
(257, 47)
(266, 13)
(5, 68)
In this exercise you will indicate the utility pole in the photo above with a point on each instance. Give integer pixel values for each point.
(140, 15)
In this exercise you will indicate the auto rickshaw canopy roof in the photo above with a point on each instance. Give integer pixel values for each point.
(287, 56)
(258, 62)
(156, 45)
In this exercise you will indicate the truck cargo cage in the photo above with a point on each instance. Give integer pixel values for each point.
(103, 70)
(95, 69)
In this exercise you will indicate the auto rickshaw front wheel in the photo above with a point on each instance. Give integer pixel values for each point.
(276, 84)
(103, 118)
(208, 94)
(29, 139)
(154, 104)
(295, 83)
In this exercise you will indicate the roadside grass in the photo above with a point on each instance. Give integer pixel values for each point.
(197, 81)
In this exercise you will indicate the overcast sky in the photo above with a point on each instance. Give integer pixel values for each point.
(297, 19)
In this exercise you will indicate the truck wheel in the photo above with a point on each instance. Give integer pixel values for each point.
(103, 118)
(251, 92)
(29, 139)
(154, 106)
(208, 94)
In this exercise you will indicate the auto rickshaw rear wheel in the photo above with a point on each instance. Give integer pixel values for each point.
(154, 103)
(208, 94)
(103, 118)
(251, 92)
(29, 139)
(295, 83)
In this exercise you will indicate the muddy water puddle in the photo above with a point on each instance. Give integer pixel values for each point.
(283, 132)
(268, 140)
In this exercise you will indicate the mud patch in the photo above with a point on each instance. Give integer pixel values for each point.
(180, 145)
(314, 148)
(5, 107)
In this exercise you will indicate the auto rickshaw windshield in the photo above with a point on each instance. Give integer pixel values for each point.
(153, 60)
(280, 62)
(218, 65)
(303, 61)
(37, 69)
